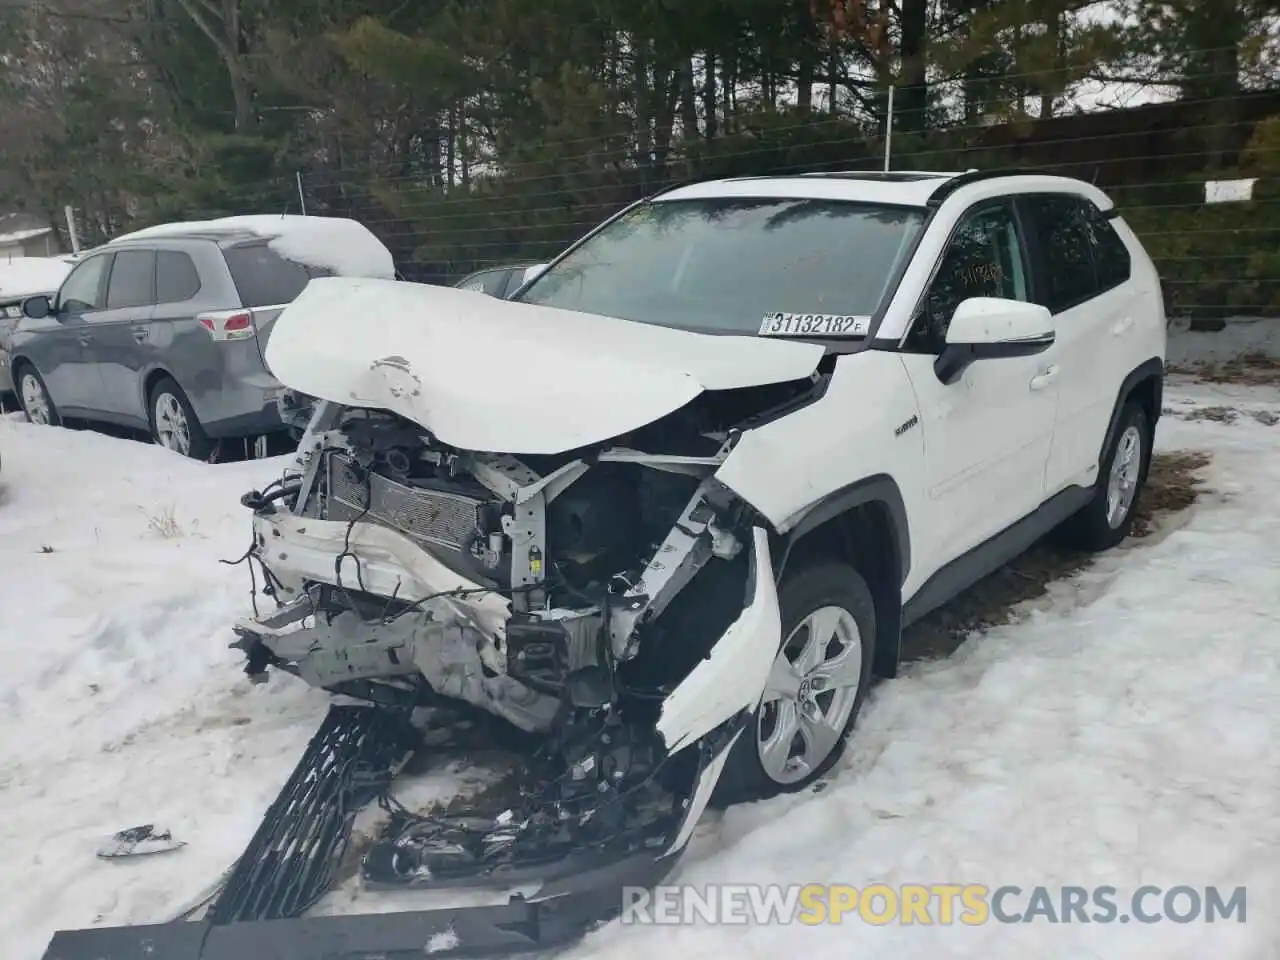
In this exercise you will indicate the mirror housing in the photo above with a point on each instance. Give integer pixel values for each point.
(991, 328)
(36, 308)
(532, 273)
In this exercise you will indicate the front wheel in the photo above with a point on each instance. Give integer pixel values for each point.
(34, 398)
(174, 424)
(815, 690)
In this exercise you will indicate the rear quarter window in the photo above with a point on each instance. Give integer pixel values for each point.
(263, 278)
(176, 277)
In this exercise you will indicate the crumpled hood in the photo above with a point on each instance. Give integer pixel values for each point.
(492, 375)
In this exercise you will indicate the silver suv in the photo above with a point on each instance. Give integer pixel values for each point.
(163, 334)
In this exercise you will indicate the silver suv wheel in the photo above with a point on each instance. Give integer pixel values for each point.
(35, 402)
(172, 430)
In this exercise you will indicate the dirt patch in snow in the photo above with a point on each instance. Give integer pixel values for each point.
(1268, 418)
(1252, 369)
(1173, 485)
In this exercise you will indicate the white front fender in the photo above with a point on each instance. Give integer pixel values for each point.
(733, 677)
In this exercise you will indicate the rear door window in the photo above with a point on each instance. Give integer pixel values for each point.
(132, 280)
(1061, 227)
(1109, 252)
(265, 279)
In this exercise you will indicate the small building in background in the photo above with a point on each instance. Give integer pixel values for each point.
(27, 235)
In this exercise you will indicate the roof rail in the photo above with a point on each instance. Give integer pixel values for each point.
(885, 174)
(975, 176)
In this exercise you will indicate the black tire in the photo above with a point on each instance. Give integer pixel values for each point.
(1094, 528)
(198, 444)
(27, 372)
(803, 591)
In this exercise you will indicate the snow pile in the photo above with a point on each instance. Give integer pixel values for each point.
(120, 701)
(345, 247)
(1124, 733)
(31, 276)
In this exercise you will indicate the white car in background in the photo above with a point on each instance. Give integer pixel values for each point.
(20, 278)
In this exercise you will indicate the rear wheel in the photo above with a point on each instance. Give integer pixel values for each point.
(34, 398)
(1108, 518)
(174, 424)
(818, 684)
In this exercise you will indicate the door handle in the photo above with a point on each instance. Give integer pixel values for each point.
(85, 339)
(1120, 326)
(1044, 378)
(140, 334)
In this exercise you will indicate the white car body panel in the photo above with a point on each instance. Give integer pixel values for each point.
(987, 439)
(485, 374)
(972, 465)
(702, 792)
(732, 678)
(784, 467)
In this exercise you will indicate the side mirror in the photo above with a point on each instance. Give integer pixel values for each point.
(990, 328)
(532, 273)
(37, 308)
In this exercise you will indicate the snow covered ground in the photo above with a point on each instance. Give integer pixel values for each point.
(1123, 733)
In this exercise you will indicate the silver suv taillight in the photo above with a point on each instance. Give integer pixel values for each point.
(228, 325)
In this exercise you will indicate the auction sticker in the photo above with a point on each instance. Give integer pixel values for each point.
(814, 325)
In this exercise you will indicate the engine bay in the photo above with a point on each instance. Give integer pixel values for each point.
(595, 527)
(522, 585)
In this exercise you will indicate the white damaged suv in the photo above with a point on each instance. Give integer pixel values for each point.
(699, 473)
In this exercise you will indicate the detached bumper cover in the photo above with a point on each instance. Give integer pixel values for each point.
(514, 928)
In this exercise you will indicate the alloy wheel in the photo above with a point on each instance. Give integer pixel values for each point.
(811, 692)
(172, 430)
(34, 401)
(1122, 484)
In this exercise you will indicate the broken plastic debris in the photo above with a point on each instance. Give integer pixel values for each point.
(139, 842)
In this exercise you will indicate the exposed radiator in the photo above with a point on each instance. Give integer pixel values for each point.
(428, 517)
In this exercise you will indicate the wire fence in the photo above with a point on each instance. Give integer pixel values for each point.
(1154, 160)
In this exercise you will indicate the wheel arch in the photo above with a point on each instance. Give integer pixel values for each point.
(1145, 384)
(149, 384)
(19, 360)
(17, 364)
(864, 523)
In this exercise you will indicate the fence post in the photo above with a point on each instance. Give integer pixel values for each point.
(71, 228)
(888, 129)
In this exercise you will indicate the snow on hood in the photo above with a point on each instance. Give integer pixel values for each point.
(492, 375)
(344, 247)
(31, 276)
